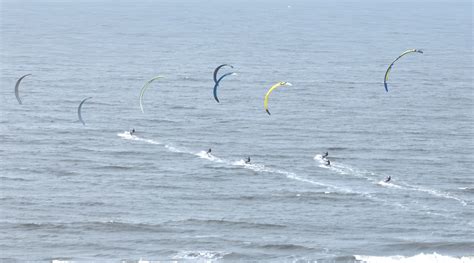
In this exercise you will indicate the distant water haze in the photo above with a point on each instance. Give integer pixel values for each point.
(93, 192)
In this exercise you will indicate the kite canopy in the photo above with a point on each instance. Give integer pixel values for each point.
(390, 67)
(265, 101)
(145, 87)
(217, 70)
(79, 109)
(218, 81)
(17, 85)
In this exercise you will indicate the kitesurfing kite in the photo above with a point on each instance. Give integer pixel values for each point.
(265, 102)
(390, 67)
(218, 81)
(147, 84)
(218, 68)
(79, 109)
(17, 85)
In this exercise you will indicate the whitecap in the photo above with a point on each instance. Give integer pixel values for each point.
(420, 258)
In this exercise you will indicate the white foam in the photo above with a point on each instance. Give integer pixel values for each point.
(338, 168)
(289, 175)
(251, 166)
(209, 156)
(150, 261)
(241, 163)
(347, 170)
(176, 149)
(302, 179)
(420, 258)
(436, 193)
(127, 136)
(200, 256)
(318, 157)
(389, 184)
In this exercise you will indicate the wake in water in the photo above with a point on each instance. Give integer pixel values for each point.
(127, 136)
(388, 184)
(335, 167)
(240, 163)
(372, 177)
(209, 156)
(435, 193)
(262, 168)
(339, 168)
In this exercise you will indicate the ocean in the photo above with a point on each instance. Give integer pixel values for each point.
(94, 193)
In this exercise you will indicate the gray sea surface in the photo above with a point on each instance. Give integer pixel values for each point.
(95, 193)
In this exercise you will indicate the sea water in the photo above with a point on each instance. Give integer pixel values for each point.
(70, 192)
